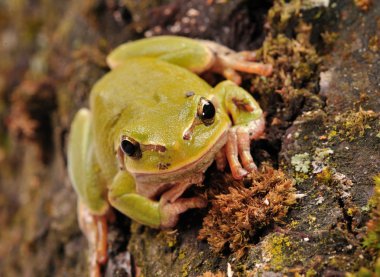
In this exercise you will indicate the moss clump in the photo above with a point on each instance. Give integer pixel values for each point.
(351, 125)
(282, 14)
(237, 215)
(372, 240)
(295, 63)
(365, 272)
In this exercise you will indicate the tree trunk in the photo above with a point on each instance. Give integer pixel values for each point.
(322, 130)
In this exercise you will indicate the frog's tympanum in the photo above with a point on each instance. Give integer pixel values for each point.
(154, 127)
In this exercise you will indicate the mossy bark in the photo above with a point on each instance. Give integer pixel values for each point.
(51, 55)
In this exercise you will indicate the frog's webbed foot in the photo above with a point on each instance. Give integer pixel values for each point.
(227, 62)
(95, 229)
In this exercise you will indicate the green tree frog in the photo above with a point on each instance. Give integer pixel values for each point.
(153, 129)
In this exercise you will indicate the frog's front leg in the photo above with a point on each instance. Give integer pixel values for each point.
(85, 177)
(195, 55)
(248, 123)
(157, 214)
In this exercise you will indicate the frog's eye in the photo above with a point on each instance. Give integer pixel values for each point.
(206, 111)
(130, 147)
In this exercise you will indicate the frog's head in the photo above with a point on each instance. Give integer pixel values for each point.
(173, 136)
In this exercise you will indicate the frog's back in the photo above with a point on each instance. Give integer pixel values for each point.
(141, 84)
(142, 92)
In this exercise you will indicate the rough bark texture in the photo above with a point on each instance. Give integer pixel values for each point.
(51, 55)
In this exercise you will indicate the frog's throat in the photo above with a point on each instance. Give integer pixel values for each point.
(150, 184)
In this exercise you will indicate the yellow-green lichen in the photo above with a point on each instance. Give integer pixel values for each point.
(181, 255)
(293, 224)
(185, 269)
(169, 237)
(325, 176)
(275, 250)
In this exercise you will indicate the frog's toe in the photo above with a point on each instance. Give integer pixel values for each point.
(170, 211)
(247, 66)
(232, 153)
(244, 148)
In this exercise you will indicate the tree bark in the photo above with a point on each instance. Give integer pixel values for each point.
(52, 53)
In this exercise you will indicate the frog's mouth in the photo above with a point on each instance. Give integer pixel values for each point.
(152, 184)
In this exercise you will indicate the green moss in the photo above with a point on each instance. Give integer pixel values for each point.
(372, 240)
(332, 134)
(352, 125)
(311, 272)
(181, 255)
(365, 272)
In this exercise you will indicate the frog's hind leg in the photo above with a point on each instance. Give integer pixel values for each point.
(85, 177)
(95, 229)
(181, 51)
(227, 62)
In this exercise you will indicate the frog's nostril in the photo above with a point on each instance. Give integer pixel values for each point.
(189, 132)
(187, 135)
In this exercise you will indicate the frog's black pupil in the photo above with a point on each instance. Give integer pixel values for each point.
(208, 110)
(128, 147)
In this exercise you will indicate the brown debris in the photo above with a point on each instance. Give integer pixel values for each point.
(31, 103)
(363, 4)
(210, 274)
(237, 215)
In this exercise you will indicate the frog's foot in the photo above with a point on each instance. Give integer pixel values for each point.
(170, 211)
(238, 146)
(95, 229)
(227, 62)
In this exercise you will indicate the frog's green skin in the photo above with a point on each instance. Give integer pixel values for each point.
(152, 96)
